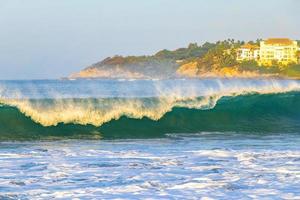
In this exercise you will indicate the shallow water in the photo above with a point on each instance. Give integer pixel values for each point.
(211, 165)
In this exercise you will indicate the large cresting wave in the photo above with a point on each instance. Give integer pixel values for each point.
(259, 108)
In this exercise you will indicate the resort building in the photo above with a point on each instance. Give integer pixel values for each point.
(281, 50)
(248, 52)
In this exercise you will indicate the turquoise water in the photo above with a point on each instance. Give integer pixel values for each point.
(157, 139)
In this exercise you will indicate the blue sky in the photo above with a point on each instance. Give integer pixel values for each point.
(42, 39)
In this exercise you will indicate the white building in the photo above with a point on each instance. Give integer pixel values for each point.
(248, 52)
(281, 50)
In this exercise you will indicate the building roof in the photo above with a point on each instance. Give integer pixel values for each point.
(278, 41)
(250, 46)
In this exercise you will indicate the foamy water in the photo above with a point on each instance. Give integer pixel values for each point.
(199, 166)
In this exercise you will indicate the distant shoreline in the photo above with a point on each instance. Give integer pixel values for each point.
(183, 78)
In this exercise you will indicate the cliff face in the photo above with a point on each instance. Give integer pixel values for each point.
(190, 70)
(195, 70)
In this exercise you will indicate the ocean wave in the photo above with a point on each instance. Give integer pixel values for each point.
(256, 113)
(97, 111)
(265, 106)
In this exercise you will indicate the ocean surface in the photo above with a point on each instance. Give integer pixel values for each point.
(150, 139)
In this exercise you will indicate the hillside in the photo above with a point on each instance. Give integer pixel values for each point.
(207, 60)
(163, 64)
(129, 67)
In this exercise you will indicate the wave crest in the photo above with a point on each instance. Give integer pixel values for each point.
(96, 112)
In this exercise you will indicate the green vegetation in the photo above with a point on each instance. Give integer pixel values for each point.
(253, 66)
(292, 71)
(192, 51)
(221, 55)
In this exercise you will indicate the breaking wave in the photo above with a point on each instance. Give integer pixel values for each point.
(272, 107)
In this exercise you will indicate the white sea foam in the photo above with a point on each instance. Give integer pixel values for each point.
(157, 169)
